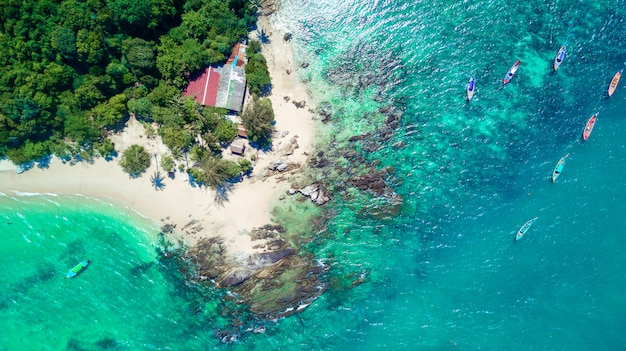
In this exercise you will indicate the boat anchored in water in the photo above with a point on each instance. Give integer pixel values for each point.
(558, 168)
(511, 72)
(77, 269)
(471, 86)
(614, 83)
(522, 231)
(589, 126)
(559, 57)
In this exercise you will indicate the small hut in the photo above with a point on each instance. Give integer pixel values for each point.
(237, 148)
(241, 131)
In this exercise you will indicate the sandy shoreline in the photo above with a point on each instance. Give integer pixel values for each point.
(247, 206)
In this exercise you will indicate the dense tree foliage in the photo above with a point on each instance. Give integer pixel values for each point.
(135, 160)
(71, 70)
(214, 172)
(258, 118)
(225, 131)
(257, 73)
(167, 163)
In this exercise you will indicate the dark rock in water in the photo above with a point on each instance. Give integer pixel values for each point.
(388, 206)
(359, 137)
(318, 161)
(325, 111)
(226, 336)
(287, 37)
(256, 261)
(273, 284)
(168, 228)
(268, 231)
(235, 278)
(106, 343)
(284, 288)
(398, 145)
(275, 256)
(208, 256)
(372, 181)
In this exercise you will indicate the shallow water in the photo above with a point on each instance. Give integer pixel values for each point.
(446, 273)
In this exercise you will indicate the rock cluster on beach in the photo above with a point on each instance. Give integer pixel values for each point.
(316, 192)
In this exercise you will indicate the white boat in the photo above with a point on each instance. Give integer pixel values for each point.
(559, 57)
(522, 231)
(558, 168)
(509, 75)
(471, 87)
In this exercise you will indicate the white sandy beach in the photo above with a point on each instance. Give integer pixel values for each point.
(247, 206)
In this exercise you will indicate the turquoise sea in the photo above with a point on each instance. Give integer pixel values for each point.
(445, 274)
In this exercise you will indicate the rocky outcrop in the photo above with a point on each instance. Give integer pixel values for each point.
(273, 283)
(268, 7)
(281, 166)
(316, 192)
(299, 104)
(291, 147)
(325, 111)
(284, 288)
(319, 160)
(372, 181)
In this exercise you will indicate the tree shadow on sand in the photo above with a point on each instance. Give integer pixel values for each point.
(157, 181)
(264, 38)
(222, 192)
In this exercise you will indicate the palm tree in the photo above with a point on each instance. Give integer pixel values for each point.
(258, 118)
(135, 160)
(213, 171)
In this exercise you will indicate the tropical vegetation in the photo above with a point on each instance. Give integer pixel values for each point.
(257, 74)
(72, 71)
(258, 119)
(135, 160)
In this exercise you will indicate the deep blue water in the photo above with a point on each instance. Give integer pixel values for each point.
(444, 274)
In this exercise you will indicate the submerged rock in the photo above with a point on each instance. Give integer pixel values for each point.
(372, 181)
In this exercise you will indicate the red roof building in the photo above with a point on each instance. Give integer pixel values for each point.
(221, 86)
(239, 54)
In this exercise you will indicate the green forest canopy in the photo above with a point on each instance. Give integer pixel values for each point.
(70, 70)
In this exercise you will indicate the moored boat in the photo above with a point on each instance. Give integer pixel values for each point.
(614, 83)
(589, 126)
(511, 72)
(559, 57)
(558, 168)
(471, 86)
(522, 231)
(77, 269)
